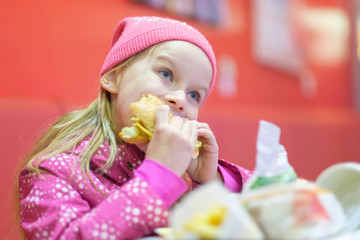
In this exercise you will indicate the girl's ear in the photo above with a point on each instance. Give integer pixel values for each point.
(110, 83)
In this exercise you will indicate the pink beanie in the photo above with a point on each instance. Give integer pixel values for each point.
(134, 34)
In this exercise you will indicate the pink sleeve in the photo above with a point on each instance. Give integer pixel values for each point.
(162, 180)
(234, 176)
(52, 209)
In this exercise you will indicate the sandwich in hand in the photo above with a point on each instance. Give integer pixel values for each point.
(144, 122)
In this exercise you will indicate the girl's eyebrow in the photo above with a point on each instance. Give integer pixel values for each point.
(166, 58)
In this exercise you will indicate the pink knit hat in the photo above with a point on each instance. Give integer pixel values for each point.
(134, 34)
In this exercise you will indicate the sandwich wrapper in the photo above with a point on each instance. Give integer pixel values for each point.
(296, 210)
(274, 203)
(272, 165)
(284, 206)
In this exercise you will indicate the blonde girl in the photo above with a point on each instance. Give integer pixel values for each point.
(82, 182)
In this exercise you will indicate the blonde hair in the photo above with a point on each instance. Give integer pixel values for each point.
(69, 130)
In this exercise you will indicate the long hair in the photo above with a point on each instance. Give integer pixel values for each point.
(95, 122)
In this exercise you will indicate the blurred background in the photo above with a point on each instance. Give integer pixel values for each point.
(293, 63)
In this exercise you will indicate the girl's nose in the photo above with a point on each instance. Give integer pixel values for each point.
(176, 101)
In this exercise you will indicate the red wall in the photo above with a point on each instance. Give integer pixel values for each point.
(51, 53)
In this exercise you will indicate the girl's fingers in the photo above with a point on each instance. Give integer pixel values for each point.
(162, 115)
(188, 128)
(190, 131)
(201, 125)
(203, 130)
(177, 122)
(206, 135)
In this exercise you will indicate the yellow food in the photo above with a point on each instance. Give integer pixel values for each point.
(207, 224)
(144, 110)
(144, 122)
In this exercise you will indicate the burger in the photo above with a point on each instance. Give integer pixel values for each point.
(144, 122)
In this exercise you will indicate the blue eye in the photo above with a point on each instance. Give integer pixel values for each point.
(194, 95)
(166, 74)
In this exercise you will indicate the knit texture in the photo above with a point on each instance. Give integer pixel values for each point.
(134, 34)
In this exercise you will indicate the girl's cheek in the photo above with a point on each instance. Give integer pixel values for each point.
(143, 146)
(123, 117)
(193, 114)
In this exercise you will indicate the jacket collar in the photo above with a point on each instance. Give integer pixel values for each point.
(128, 158)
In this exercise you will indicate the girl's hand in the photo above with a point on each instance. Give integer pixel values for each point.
(204, 168)
(173, 142)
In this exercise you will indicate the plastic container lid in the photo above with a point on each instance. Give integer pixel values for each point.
(343, 179)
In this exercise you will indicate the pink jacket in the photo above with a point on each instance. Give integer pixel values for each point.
(63, 203)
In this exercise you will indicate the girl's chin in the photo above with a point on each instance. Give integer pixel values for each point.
(143, 146)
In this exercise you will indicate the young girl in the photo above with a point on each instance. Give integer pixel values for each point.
(82, 182)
